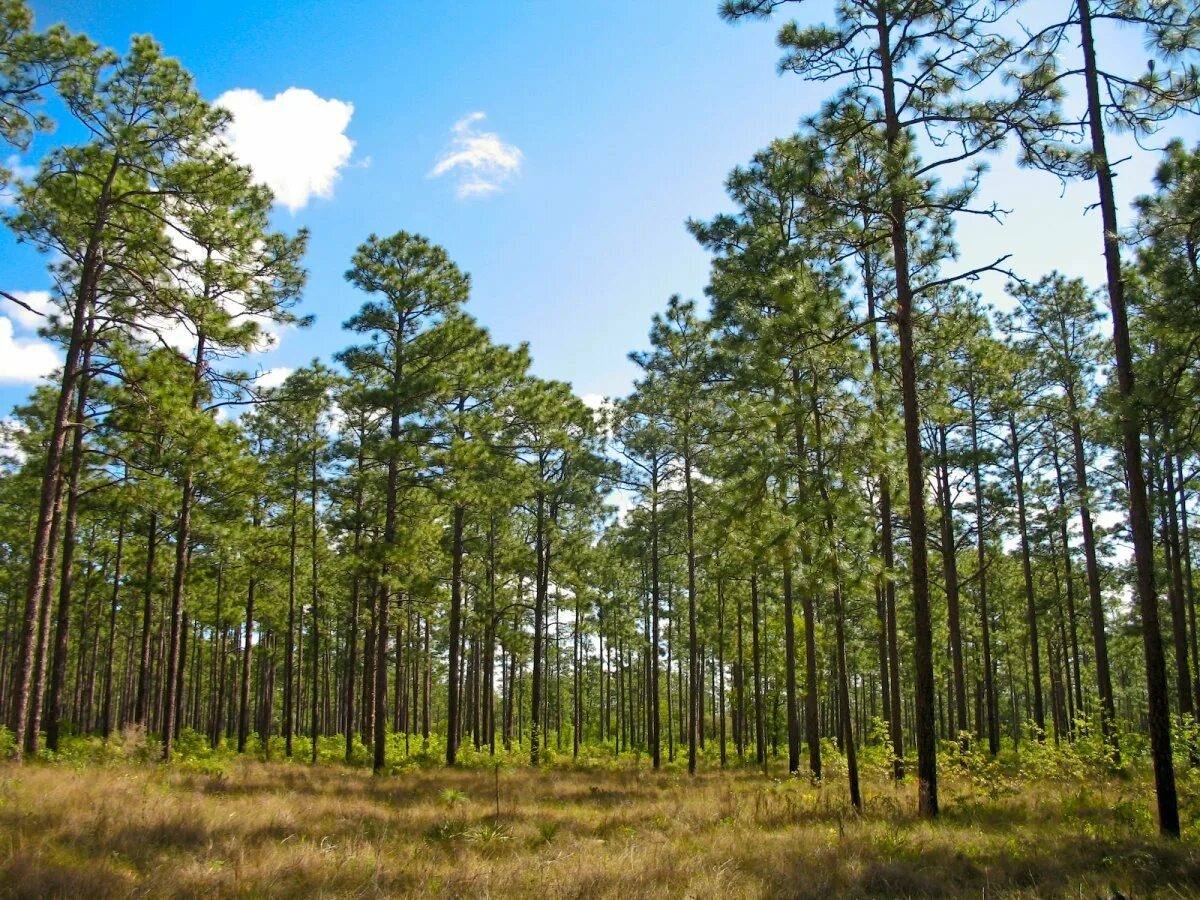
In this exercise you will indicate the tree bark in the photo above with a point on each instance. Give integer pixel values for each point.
(1158, 712)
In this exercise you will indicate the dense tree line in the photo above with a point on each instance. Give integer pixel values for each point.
(862, 504)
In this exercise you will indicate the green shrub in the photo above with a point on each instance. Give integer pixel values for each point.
(8, 743)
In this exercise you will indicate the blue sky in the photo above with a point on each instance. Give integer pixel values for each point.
(626, 115)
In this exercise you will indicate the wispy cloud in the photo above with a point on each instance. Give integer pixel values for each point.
(482, 160)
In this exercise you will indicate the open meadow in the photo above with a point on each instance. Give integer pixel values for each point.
(114, 826)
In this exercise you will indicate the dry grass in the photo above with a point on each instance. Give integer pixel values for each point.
(287, 830)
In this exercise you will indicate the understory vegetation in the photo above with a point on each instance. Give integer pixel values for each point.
(1046, 823)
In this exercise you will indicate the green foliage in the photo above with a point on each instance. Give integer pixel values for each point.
(490, 836)
(446, 832)
(452, 797)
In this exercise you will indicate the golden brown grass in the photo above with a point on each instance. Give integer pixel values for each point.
(276, 830)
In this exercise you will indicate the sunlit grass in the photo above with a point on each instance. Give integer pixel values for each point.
(124, 827)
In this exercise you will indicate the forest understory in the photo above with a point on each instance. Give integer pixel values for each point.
(112, 824)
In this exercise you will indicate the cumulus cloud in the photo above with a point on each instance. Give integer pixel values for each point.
(481, 160)
(295, 142)
(37, 301)
(24, 361)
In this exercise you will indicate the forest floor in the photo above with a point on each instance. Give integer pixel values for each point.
(284, 830)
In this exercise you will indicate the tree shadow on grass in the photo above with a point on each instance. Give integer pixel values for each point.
(1076, 865)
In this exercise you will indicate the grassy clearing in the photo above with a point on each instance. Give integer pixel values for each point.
(278, 830)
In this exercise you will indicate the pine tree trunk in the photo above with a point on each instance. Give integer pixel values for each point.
(985, 613)
(1039, 713)
(695, 711)
(111, 654)
(58, 670)
(1139, 516)
(49, 581)
(289, 649)
(247, 659)
(812, 721)
(1178, 604)
(452, 732)
(950, 570)
(760, 734)
(539, 612)
(655, 601)
(926, 726)
(182, 555)
(48, 498)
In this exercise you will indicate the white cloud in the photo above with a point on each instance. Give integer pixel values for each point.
(38, 300)
(601, 407)
(182, 336)
(337, 418)
(17, 172)
(24, 361)
(273, 378)
(295, 142)
(482, 161)
(10, 447)
(172, 331)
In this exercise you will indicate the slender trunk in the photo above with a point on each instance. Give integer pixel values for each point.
(89, 276)
(352, 637)
(456, 561)
(314, 596)
(655, 579)
(926, 726)
(843, 677)
(760, 733)
(694, 688)
(110, 660)
(985, 613)
(892, 682)
(247, 659)
(219, 659)
(1178, 605)
(789, 644)
(33, 735)
(539, 612)
(812, 700)
(1189, 591)
(1092, 567)
(1061, 515)
(58, 673)
(289, 649)
(141, 711)
(721, 669)
(740, 687)
(1158, 712)
(950, 569)
(1039, 713)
